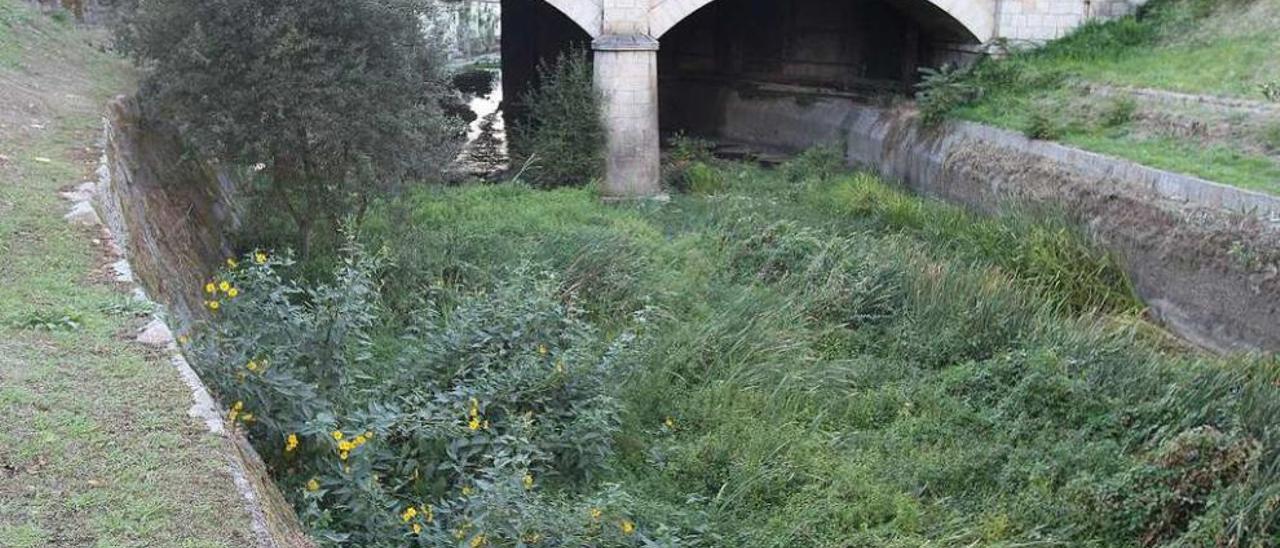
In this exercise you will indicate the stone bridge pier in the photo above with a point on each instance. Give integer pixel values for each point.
(713, 50)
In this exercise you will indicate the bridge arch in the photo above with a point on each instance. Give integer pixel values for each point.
(978, 17)
(587, 14)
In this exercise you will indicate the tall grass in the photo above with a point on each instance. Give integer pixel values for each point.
(823, 360)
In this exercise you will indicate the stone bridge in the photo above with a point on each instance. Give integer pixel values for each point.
(711, 48)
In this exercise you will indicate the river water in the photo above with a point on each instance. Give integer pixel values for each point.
(485, 153)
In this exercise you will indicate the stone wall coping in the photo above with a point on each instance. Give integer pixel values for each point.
(624, 42)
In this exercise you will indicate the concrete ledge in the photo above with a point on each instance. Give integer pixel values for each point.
(624, 42)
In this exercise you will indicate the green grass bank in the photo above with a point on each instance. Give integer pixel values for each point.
(1221, 49)
(96, 448)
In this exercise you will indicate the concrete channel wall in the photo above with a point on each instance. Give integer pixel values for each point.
(1203, 256)
(169, 217)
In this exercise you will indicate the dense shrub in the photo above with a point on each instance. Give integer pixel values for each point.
(333, 103)
(474, 81)
(561, 136)
(943, 90)
(476, 426)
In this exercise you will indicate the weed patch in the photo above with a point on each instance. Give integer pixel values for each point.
(800, 358)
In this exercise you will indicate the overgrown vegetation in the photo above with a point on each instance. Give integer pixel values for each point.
(801, 357)
(1190, 46)
(331, 103)
(561, 138)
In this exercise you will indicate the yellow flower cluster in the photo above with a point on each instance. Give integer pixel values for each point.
(426, 514)
(237, 412)
(345, 446)
(213, 288)
(474, 420)
(291, 443)
(260, 257)
(313, 485)
(256, 366)
(528, 481)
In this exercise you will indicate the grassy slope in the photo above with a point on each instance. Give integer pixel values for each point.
(1228, 50)
(849, 366)
(96, 447)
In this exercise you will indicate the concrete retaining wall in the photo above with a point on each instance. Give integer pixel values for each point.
(1204, 256)
(168, 216)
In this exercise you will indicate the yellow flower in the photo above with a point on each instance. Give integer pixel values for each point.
(427, 514)
(466, 490)
(670, 423)
(474, 423)
(368, 434)
(337, 434)
(343, 455)
(210, 288)
(224, 286)
(478, 541)
(417, 528)
(542, 350)
(291, 443)
(627, 526)
(214, 305)
(248, 417)
(238, 405)
(260, 257)
(233, 292)
(251, 366)
(459, 533)
(231, 415)
(560, 367)
(183, 340)
(231, 263)
(345, 446)
(528, 481)
(408, 514)
(596, 513)
(313, 485)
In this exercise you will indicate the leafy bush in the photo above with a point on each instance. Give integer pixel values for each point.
(1270, 91)
(474, 81)
(333, 103)
(477, 426)
(1119, 112)
(942, 90)
(1042, 125)
(561, 137)
(685, 153)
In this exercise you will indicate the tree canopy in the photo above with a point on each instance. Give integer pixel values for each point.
(332, 100)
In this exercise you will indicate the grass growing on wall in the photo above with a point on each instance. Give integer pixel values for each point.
(1190, 46)
(823, 360)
